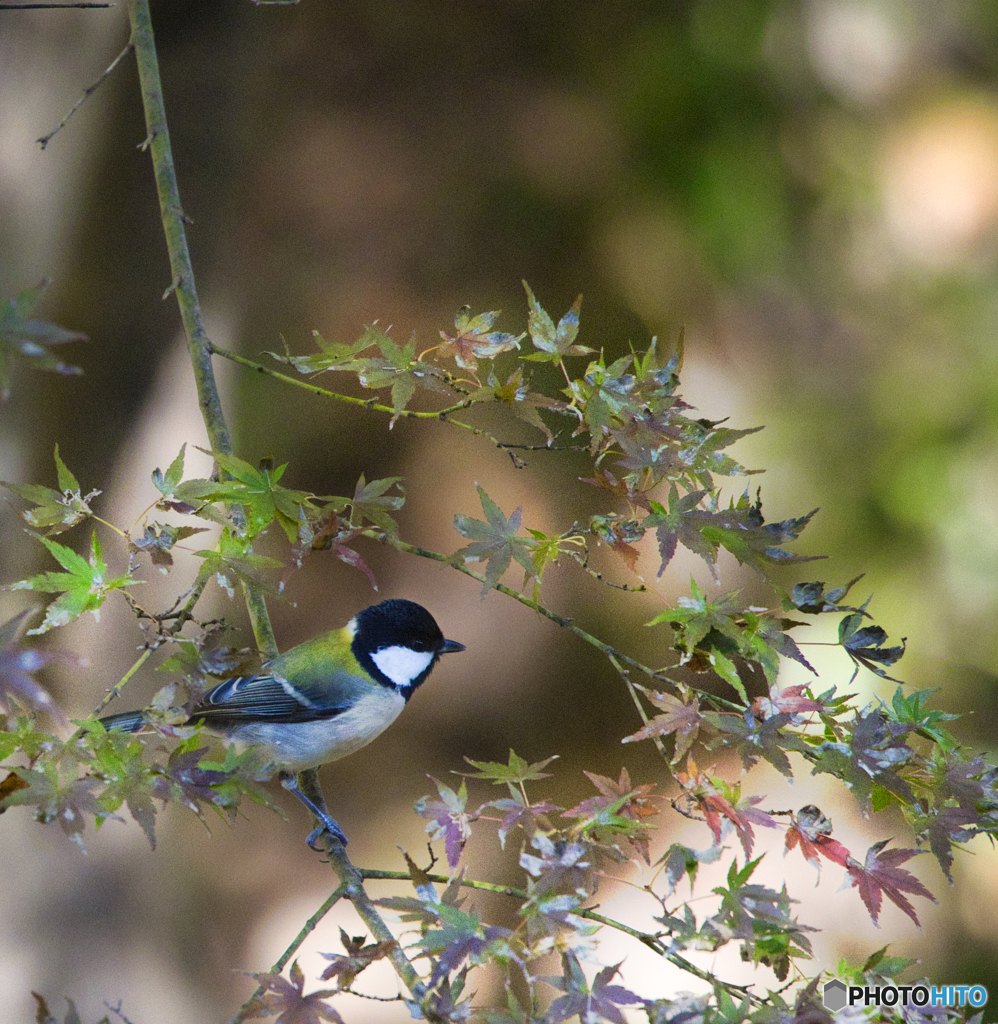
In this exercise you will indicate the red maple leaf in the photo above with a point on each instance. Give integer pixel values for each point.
(882, 875)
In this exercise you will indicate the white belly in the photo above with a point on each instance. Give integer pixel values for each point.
(302, 745)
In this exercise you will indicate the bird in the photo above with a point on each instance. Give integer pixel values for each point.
(323, 699)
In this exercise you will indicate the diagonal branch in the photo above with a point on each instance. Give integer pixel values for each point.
(46, 139)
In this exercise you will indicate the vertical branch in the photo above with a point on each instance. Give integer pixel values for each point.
(172, 215)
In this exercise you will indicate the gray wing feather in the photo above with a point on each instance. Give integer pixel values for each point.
(263, 697)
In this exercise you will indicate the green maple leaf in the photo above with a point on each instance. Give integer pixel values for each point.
(397, 368)
(331, 355)
(370, 503)
(167, 483)
(259, 492)
(494, 541)
(515, 394)
(54, 511)
(232, 561)
(553, 343)
(603, 397)
(82, 587)
(696, 616)
(30, 340)
(513, 774)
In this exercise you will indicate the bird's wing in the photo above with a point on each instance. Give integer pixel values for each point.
(268, 697)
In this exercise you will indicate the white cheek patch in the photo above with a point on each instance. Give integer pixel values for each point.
(402, 664)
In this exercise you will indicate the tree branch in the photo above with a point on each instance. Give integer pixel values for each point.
(172, 215)
(46, 139)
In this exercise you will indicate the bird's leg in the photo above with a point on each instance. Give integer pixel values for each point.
(305, 786)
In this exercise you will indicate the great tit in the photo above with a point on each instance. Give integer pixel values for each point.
(325, 698)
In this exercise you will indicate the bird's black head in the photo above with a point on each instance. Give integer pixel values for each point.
(398, 642)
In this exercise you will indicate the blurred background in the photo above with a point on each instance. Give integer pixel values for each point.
(810, 188)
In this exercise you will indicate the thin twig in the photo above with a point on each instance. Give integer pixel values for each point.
(443, 415)
(653, 942)
(284, 959)
(46, 139)
(352, 879)
(46, 7)
(559, 620)
(626, 676)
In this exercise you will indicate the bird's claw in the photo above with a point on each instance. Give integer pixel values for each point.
(318, 838)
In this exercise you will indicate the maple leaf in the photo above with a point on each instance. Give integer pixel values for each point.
(972, 784)
(680, 861)
(864, 645)
(331, 355)
(513, 774)
(881, 875)
(599, 1002)
(810, 830)
(53, 800)
(680, 718)
(232, 561)
(257, 489)
(813, 599)
(754, 739)
(17, 665)
(159, 539)
(186, 780)
(43, 1015)
(82, 588)
(877, 749)
(329, 530)
(286, 999)
(55, 511)
(494, 541)
(620, 533)
(167, 483)
(24, 338)
(618, 812)
(358, 957)
(448, 819)
(329, 533)
(701, 443)
(604, 397)
(461, 936)
(517, 813)
(371, 503)
(514, 393)
(474, 339)
(791, 700)
(719, 802)
(397, 368)
(678, 524)
(648, 455)
(553, 343)
(561, 866)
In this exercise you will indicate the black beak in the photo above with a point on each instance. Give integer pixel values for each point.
(451, 647)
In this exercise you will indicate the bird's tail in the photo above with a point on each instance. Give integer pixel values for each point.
(126, 721)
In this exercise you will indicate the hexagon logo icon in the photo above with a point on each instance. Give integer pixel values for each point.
(834, 995)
